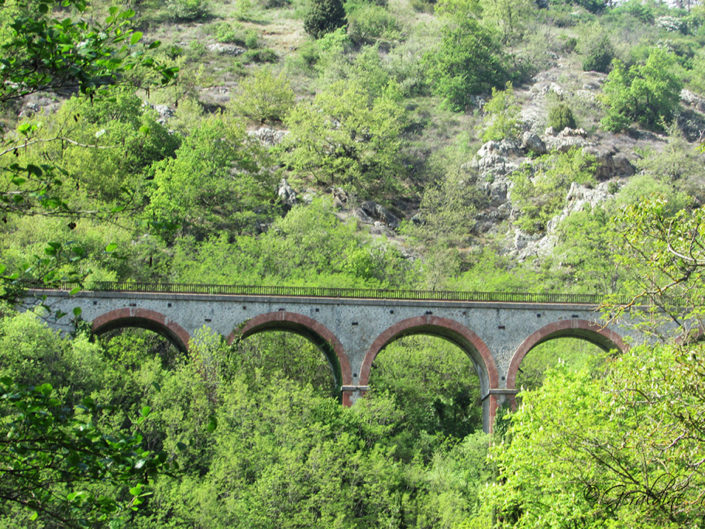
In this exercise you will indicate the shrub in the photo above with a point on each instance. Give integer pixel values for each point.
(370, 23)
(599, 56)
(264, 97)
(345, 137)
(639, 10)
(269, 4)
(196, 49)
(501, 115)
(567, 44)
(423, 6)
(224, 32)
(647, 93)
(539, 190)
(324, 16)
(251, 39)
(260, 56)
(560, 116)
(469, 61)
(594, 6)
(187, 10)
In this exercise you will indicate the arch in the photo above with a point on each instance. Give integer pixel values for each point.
(692, 336)
(145, 319)
(573, 328)
(304, 326)
(446, 328)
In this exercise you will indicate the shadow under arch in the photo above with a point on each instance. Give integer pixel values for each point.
(455, 333)
(144, 319)
(310, 329)
(589, 331)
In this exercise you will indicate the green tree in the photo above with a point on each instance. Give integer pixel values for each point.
(59, 468)
(469, 61)
(599, 56)
(264, 97)
(450, 202)
(71, 428)
(664, 249)
(323, 16)
(501, 115)
(44, 49)
(103, 149)
(647, 93)
(508, 16)
(584, 250)
(217, 181)
(560, 116)
(434, 384)
(623, 449)
(347, 138)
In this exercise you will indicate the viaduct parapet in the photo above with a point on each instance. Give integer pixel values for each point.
(352, 327)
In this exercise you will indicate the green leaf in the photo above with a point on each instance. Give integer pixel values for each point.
(136, 490)
(212, 424)
(44, 389)
(26, 128)
(135, 38)
(111, 247)
(77, 310)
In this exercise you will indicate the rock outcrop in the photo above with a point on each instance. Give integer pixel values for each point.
(286, 194)
(372, 212)
(267, 136)
(609, 162)
(222, 48)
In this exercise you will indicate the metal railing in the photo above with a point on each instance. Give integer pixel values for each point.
(331, 292)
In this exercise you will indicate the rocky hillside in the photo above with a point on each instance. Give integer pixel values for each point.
(444, 129)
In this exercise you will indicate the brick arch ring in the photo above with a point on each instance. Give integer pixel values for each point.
(304, 326)
(145, 319)
(691, 336)
(446, 328)
(572, 328)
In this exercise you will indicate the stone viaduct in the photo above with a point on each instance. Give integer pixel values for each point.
(351, 326)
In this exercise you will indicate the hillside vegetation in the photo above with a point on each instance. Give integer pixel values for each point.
(487, 145)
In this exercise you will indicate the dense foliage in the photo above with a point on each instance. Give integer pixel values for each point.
(469, 62)
(339, 144)
(648, 93)
(324, 16)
